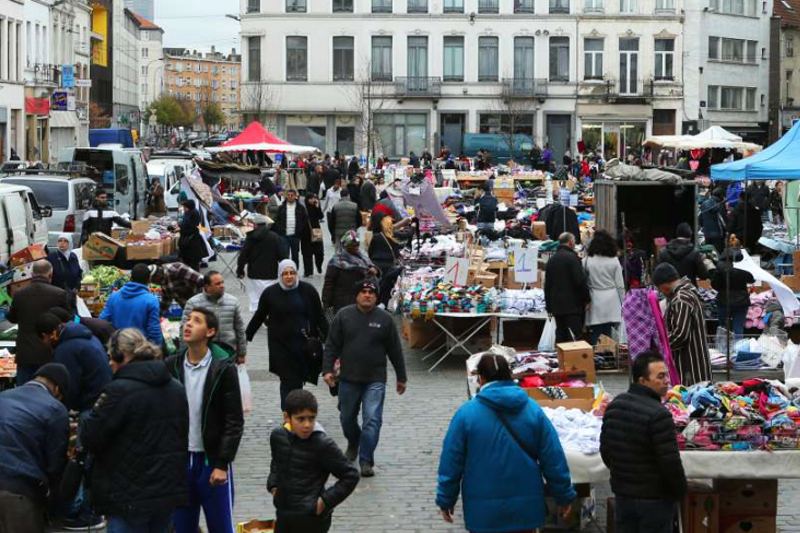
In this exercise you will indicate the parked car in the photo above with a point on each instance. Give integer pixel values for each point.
(66, 194)
(22, 220)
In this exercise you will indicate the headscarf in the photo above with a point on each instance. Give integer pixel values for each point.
(282, 266)
(347, 261)
(68, 237)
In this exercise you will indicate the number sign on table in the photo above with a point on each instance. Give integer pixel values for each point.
(456, 270)
(526, 265)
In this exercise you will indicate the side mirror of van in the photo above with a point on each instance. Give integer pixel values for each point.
(46, 211)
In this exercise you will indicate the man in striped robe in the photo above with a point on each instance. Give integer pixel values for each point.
(686, 326)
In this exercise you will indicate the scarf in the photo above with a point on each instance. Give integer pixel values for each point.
(67, 253)
(282, 266)
(347, 261)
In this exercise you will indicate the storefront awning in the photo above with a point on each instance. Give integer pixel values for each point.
(64, 119)
(616, 112)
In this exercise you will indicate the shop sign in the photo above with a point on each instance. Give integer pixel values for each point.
(68, 76)
(60, 101)
(83, 83)
(37, 106)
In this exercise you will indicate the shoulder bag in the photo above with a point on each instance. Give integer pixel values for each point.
(514, 435)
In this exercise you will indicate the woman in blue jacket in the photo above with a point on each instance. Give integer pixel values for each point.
(67, 271)
(501, 482)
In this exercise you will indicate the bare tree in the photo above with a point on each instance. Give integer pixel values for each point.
(258, 102)
(369, 96)
(516, 106)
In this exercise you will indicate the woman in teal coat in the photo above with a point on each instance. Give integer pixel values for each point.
(501, 483)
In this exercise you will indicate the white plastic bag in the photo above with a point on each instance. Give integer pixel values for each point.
(547, 342)
(245, 389)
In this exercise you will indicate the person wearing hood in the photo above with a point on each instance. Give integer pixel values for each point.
(292, 311)
(686, 326)
(67, 272)
(346, 268)
(138, 435)
(733, 296)
(714, 218)
(499, 450)
(191, 245)
(681, 253)
(263, 250)
(134, 306)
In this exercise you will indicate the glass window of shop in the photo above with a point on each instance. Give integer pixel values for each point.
(307, 136)
(614, 139)
(402, 133)
(505, 123)
(346, 140)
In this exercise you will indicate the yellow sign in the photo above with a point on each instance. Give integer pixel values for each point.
(100, 27)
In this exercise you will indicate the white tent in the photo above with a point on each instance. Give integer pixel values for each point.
(713, 137)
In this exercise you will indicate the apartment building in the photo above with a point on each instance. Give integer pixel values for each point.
(784, 73)
(151, 64)
(12, 79)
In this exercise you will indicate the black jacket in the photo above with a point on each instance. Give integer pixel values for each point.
(686, 259)
(67, 273)
(313, 182)
(301, 227)
(339, 288)
(223, 420)
(369, 195)
(383, 252)
(487, 207)
(713, 218)
(101, 219)
(30, 302)
(285, 345)
(138, 432)
(315, 215)
(262, 251)
(739, 279)
(566, 290)
(748, 231)
(330, 175)
(639, 446)
(300, 469)
(558, 219)
(192, 247)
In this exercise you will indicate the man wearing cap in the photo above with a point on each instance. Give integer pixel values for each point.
(686, 327)
(292, 224)
(34, 433)
(362, 337)
(262, 251)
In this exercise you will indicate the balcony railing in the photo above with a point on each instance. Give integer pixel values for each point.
(420, 87)
(629, 88)
(488, 6)
(525, 87)
(665, 10)
(417, 6)
(44, 73)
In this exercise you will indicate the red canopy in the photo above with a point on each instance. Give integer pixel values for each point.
(257, 138)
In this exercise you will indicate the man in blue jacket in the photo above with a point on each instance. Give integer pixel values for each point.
(135, 307)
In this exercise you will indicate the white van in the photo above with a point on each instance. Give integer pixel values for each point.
(22, 220)
(167, 167)
(121, 173)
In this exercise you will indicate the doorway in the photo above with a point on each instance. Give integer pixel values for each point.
(558, 137)
(452, 127)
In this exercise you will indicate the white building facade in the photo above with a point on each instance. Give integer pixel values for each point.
(151, 65)
(569, 73)
(12, 78)
(127, 79)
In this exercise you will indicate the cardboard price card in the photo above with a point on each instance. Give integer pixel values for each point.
(526, 263)
(455, 270)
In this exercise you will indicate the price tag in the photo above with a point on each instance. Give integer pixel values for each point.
(414, 190)
(456, 270)
(526, 263)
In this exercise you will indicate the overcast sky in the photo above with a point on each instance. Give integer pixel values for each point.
(198, 27)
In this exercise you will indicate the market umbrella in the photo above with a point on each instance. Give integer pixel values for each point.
(257, 138)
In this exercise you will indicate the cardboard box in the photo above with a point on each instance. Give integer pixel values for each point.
(472, 272)
(539, 230)
(140, 227)
(149, 250)
(486, 279)
(419, 333)
(101, 247)
(28, 255)
(120, 234)
(256, 526)
(754, 497)
(704, 284)
(577, 398)
(791, 282)
(701, 511)
(749, 524)
(577, 356)
(498, 265)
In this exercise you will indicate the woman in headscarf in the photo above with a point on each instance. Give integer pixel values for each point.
(67, 271)
(191, 246)
(292, 312)
(346, 268)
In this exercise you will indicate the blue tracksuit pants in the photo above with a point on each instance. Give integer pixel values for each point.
(216, 502)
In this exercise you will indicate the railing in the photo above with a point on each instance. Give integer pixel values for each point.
(382, 6)
(521, 87)
(381, 76)
(46, 73)
(643, 88)
(488, 6)
(665, 10)
(418, 86)
(417, 6)
(295, 6)
(453, 8)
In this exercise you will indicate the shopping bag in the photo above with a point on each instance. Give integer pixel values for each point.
(245, 389)
(547, 342)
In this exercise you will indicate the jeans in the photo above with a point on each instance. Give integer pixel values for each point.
(738, 317)
(643, 516)
(600, 329)
(25, 373)
(368, 398)
(569, 327)
(288, 386)
(140, 524)
(294, 249)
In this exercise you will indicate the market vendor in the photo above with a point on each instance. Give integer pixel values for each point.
(178, 282)
(486, 206)
(67, 272)
(100, 218)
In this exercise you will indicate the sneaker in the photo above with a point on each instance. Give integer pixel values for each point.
(351, 453)
(92, 523)
(367, 471)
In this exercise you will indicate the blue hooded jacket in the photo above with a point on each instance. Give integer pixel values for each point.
(501, 485)
(87, 363)
(134, 307)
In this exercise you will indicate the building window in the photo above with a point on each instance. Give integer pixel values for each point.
(730, 7)
(254, 59)
(752, 46)
(346, 140)
(307, 136)
(381, 59)
(713, 47)
(296, 59)
(559, 6)
(254, 6)
(343, 60)
(145, 52)
(523, 63)
(731, 98)
(144, 71)
(789, 47)
(453, 6)
(665, 54)
(381, 6)
(402, 133)
(559, 58)
(593, 6)
(296, 6)
(453, 59)
(629, 66)
(663, 122)
(593, 59)
(417, 6)
(488, 6)
(503, 123)
(733, 50)
(418, 59)
(488, 59)
(750, 101)
(342, 6)
(627, 6)
(665, 6)
(523, 6)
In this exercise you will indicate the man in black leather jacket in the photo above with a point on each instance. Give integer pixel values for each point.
(303, 457)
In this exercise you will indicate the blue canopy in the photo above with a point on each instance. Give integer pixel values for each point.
(780, 161)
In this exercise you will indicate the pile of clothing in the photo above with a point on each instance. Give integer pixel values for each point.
(577, 430)
(431, 297)
(440, 246)
(754, 415)
(760, 308)
(709, 299)
(522, 302)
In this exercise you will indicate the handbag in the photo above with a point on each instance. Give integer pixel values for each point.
(316, 234)
(313, 352)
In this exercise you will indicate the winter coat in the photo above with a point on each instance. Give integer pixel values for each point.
(687, 260)
(558, 219)
(67, 273)
(134, 307)
(155, 200)
(231, 322)
(98, 219)
(339, 288)
(28, 304)
(776, 203)
(315, 215)
(713, 218)
(285, 346)
(369, 196)
(501, 485)
(739, 280)
(87, 363)
(607, 289)
(101, 329)
(759, 194)
(138, 433)
(262, 251)
(344, 217)
(686, 329)
(223, 420)
(301, 227)
(191, 245)
(355, 193)
(300, 469)
(638, 444)
(487, 208)
(566, 290)
(383, 252)
(749, 232)
(314, 182)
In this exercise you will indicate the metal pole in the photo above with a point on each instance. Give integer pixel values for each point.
(624, 253)
(728, 317)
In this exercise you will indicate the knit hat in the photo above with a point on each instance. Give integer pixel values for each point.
(367, 284)
(350, 238)
(57, 373)
(664, 273)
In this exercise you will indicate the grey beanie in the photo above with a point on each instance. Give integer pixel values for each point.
(664, 273)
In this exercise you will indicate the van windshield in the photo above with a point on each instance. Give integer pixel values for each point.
(49, 193)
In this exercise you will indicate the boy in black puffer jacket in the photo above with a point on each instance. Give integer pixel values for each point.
(303, 456)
